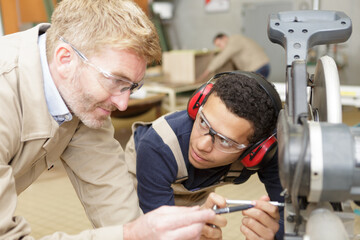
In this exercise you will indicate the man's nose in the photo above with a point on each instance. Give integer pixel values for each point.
(121, 101)
(205, 143)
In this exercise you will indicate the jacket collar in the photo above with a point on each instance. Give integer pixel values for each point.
(37, 121)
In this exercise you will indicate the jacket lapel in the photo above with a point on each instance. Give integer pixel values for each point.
(37, 122)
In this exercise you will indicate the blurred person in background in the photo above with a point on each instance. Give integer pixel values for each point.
(244, 53)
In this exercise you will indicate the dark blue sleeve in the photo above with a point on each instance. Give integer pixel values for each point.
(156, 170)
(269, 175)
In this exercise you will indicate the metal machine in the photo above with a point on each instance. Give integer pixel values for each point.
(319, 157)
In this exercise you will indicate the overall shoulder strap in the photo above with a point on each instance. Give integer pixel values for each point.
(162, 127)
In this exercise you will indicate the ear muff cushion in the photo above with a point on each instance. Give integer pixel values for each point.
(197, 99)
(259, 154)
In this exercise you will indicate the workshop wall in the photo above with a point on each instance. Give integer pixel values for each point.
(191, 26)
(348, 53)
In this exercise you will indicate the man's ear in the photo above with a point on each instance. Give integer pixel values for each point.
(65, 60)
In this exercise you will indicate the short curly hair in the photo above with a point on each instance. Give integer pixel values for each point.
(245, 97)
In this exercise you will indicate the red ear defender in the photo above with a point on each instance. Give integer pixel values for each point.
(197, 99)
(259, 154)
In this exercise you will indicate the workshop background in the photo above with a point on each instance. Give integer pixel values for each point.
(186, 27)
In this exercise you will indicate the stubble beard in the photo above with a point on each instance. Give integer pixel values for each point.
(81, 103)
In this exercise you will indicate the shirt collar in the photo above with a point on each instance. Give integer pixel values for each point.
(56, 105)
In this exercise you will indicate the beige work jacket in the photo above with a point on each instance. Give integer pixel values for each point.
(31, 141)
(243, 52)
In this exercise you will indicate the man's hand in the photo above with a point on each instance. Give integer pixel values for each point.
(169, 223)
(212, 229)
(261, 221)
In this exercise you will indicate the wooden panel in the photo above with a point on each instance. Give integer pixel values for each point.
(185, 66)
(9, 16)
(32, 11)
(16, 13)
(144, 5)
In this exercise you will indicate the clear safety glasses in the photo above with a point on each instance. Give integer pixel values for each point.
(115, 85)
(222, 143)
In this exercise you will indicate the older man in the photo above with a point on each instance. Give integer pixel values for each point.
(59, 84)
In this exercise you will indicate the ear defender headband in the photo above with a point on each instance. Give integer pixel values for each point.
(256, 155)
(200, 96)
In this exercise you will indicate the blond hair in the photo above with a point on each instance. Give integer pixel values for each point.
(91, 24)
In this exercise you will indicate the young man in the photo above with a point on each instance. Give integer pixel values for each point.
(59, 84)
(179, 160)
(243, 52)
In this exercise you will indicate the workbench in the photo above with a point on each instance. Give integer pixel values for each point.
(174, 99)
